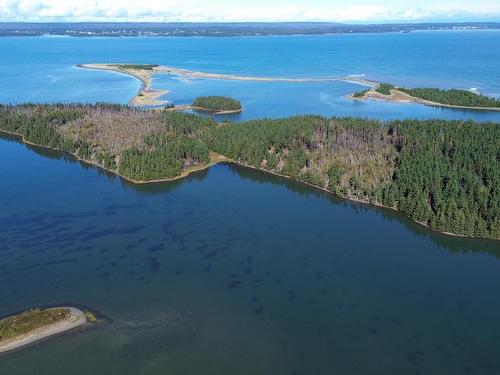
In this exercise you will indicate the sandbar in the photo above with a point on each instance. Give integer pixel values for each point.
(77, 319)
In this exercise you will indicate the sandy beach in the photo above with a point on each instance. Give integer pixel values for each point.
(146, 96)
(150, 97)
(76, 319)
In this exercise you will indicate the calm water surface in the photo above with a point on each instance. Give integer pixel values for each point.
(44, 70)
(233, 271)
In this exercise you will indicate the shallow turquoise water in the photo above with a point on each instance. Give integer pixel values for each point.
(233, 271)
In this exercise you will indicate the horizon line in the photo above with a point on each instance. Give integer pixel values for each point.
(348, 23)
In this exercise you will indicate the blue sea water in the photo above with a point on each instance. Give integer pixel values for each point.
(233, 271)
(44, 70)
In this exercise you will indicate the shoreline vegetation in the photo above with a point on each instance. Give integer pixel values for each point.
(32, 326)
(442, 174)
(453, 98)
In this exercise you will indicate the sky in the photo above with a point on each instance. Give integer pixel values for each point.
(353, 11)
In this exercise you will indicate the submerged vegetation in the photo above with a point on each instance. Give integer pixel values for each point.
(90, 316)
(456, 97)
(217, 103)
(30, 320)
(444, 174)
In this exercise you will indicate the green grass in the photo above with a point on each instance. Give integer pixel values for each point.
(217, 103)
(385, 89)
(30, 320)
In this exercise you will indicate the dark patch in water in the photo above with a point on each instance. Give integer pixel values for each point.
(154, 265)
(468, 369)
(131, 229)
(98, 234)
(211, 254)
(61, 261)
(233, 284)
(155, 248)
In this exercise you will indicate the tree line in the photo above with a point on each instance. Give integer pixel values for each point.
(453, 97)
(445, 174)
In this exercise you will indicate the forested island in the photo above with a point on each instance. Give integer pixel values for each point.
(217, 104)
(443, 174)
(453, 98)
(33, 325)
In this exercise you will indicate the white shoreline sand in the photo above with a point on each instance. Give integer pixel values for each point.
(77, 319)
(150, 97)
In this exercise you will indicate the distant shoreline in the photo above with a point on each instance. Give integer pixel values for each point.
(224, 29)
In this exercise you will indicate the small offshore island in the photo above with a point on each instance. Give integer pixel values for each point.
(453, 98)
(34, 325)
(442, 174)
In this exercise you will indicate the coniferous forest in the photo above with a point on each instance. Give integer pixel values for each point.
(456, 97)
(217, 103)
(444, 174)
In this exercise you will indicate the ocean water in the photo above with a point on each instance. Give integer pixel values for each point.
(231, 270)
(44, 70)
(235, 271)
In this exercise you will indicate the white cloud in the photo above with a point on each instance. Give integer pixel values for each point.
(196, 10)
